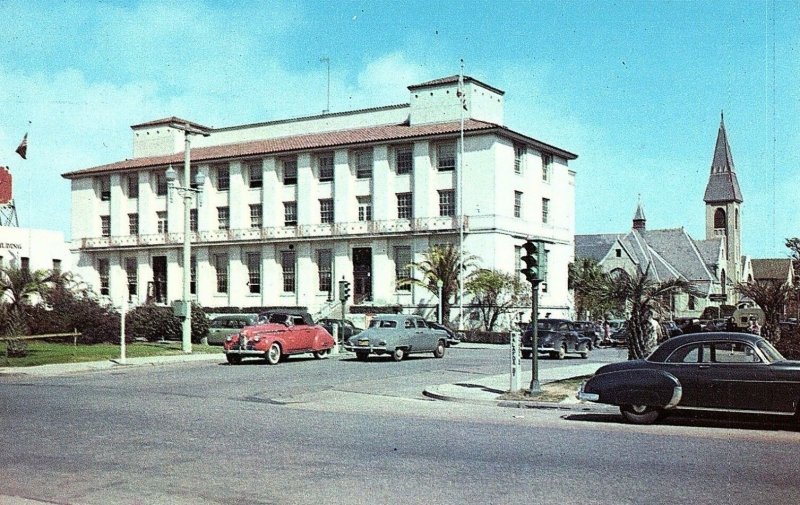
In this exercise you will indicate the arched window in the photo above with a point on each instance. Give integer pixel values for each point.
(720, 219)
(723, 280)
(736, 224)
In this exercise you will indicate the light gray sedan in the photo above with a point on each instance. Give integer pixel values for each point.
(397, 335)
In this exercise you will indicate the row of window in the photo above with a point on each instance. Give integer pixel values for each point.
(405, 210)
(288, 259)
(362, 161)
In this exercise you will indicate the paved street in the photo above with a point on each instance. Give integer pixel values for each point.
(343, 431)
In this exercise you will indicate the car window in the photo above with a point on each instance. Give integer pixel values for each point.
(409, 323)
(686, 354)
(382, 323)
(421, 323)
(278, 318)
(298, 321)
(734, 352)
(219, 323)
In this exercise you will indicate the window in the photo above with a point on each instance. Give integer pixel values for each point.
(447, 202)
(734, 352)
(325, 268)
(161, 184)
(133, 224)
(25, 264)
(290, 213)
(326, 210)
(404, 159)
(545, 210)
(193, 171)
(161, 220)
(105, 189)
(56, 264)
(402, 267)
(192, 219)
(223, 218)
(519, 153)
(446, 157)
(288, 268)
(325, 166)
(289, 170)
(193, 275)
(131, 274)
(254, 272)
(365, 208)
(547, 166)
(405, 209)
(517, 203)
(363, 160)
(221, 266)
(133, 186)
(102, 270)
(223, 177)
(256, 213)
(105, 226)
(255, 174)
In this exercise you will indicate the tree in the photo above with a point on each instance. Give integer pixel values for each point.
(589, 283)
(496, 293)
(641, 294)
(20, 287)
(771, 295)
(441, 263)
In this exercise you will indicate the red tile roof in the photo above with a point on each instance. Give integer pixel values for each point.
(324, 140)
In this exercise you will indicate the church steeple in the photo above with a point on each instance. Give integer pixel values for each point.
(723, 200)
(639, 221)
(723, 186)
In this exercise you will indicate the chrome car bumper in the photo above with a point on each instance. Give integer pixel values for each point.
(245, 352)
(369, 348)
(586, 397)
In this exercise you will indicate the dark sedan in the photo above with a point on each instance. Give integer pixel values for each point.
(452, 336)
(557, 338)
(717, 371)
(346, 328)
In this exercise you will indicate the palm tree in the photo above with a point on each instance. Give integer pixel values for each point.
(771, 295)
(642, 294)
(441, 263)
(20, 287)
(587, 280)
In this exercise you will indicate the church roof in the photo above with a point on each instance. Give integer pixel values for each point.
(723, 186)
(773, 269)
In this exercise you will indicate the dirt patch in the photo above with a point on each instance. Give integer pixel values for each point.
(554, 392)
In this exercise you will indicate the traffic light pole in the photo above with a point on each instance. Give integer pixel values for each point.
(536, 388)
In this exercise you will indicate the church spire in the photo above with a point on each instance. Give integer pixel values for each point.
(723, 185)
(639, 221)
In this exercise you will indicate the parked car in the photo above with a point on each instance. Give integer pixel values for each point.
(671, 329)
(716, 371)
(619, 337)
(591, 330)
(397, 335)
(452, 336)
(221, 326)
(278, 335)
(346, 328)
(557, 338)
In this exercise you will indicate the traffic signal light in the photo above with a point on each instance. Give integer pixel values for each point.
(344, 291)
(531, 260)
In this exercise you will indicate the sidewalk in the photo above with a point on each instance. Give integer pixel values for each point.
(89, 366)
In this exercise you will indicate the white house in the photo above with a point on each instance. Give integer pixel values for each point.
(288, 208)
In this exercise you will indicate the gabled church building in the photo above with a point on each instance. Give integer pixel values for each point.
(714, 265)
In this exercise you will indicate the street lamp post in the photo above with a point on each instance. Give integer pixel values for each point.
(439, 285)
(186, 191)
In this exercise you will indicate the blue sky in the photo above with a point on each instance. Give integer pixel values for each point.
(634, 88)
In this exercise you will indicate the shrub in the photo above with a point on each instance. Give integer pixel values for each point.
(68, 312)
(154, 322)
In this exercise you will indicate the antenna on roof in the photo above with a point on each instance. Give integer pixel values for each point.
(327, 60)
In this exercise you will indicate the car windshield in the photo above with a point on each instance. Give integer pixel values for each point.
(770, 352)
(547, 325)
(382, 323)
(278, 318)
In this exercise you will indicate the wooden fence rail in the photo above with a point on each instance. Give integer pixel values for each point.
(46, 336)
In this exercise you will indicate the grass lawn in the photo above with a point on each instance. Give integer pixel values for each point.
(45, 353)
(554, 392)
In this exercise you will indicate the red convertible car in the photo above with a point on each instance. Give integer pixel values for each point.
(276, 336)
(712, 371)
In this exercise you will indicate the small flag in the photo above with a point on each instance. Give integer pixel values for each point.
(462, 96)
(22, 150)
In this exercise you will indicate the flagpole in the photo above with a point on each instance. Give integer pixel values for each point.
(461, 205)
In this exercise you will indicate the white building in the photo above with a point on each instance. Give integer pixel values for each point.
(34, 249)
(290, 207)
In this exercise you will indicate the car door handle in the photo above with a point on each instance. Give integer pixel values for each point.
(704, 367)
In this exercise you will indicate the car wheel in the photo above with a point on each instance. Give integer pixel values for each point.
(399, 354)
(562, 352)
(640, 414)
(274, 354)
(439, 351)
(322, 354)
(233, 359)
(361, 355)
(584, 352)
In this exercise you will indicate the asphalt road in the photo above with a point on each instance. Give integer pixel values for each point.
(343, 431)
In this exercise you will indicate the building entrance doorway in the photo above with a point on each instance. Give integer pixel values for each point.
(157, 288)
(362, 274)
